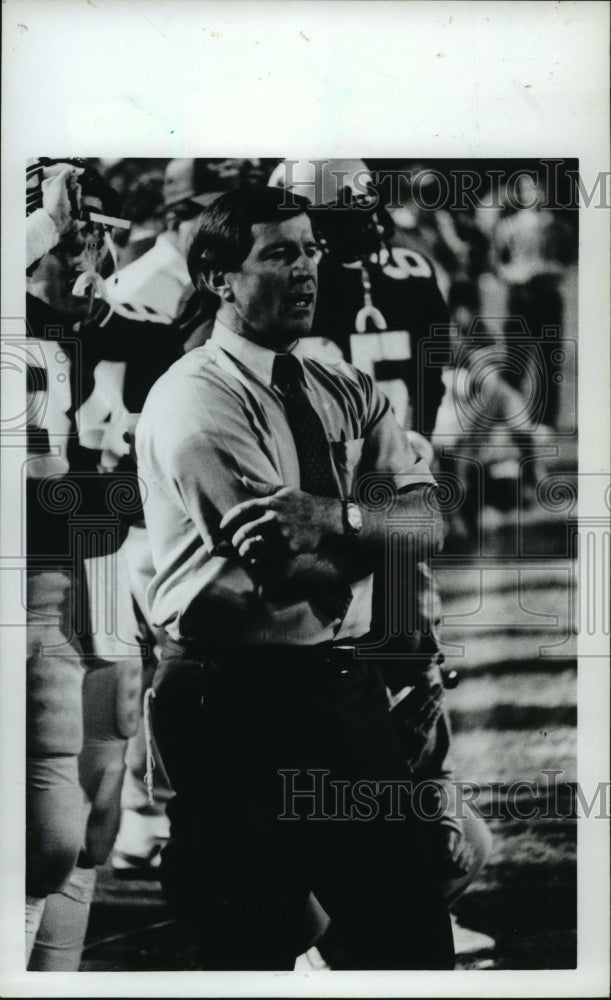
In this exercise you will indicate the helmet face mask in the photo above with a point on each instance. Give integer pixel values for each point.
(351, 231)
(345, 209)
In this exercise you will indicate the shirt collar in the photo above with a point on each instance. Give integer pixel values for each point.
(258, 360)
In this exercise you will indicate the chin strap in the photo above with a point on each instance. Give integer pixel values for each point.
(368, 312)
(90, 283)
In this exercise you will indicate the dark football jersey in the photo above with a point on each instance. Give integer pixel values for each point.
(404, 290)
(81, 391)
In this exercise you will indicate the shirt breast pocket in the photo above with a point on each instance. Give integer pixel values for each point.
(346, 456)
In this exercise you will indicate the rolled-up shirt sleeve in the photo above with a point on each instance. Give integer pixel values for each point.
(41, 236)
(198, 454)
(190, 474)
(387, 451)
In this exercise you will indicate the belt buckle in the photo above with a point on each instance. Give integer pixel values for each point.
(342, 657)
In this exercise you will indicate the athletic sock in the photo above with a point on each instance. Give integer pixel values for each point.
(34, 906)
(61, 935)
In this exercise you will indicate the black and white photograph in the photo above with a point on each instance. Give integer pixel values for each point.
(306, 500)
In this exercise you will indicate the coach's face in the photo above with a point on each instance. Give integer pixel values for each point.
(273, 294)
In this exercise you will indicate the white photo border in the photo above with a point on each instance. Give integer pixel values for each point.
(385, 79)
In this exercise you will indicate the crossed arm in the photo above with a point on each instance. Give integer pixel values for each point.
(294, 542)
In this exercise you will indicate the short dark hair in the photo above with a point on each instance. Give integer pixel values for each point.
(223, 238)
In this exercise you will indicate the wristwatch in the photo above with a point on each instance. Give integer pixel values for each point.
(352, 519)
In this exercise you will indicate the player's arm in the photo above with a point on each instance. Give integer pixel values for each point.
(132, 333)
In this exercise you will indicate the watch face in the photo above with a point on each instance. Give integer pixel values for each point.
(354, 517)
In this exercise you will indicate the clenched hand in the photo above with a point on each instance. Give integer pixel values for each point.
(279, 518)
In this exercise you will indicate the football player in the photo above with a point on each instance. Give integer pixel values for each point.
(84, 667)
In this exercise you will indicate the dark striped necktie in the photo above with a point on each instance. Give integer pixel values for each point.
(314, 455)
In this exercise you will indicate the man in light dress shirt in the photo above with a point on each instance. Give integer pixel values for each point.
(263, 588)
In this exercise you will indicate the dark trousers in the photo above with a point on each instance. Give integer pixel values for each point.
(232, 731)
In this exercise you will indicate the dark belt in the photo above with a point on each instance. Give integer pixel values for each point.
(341, 656)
